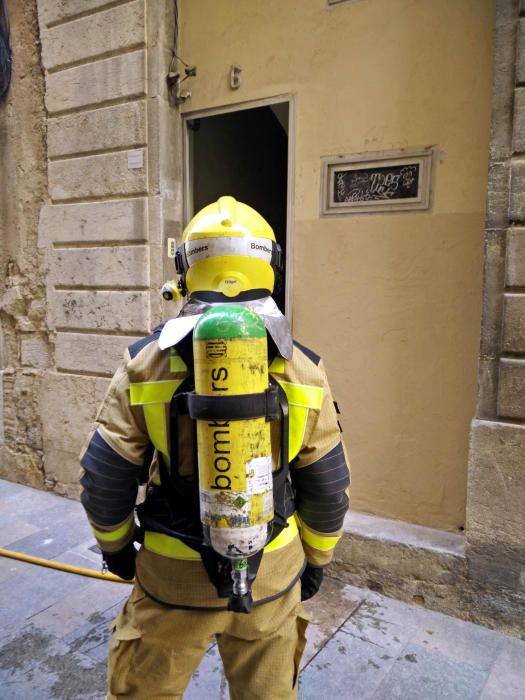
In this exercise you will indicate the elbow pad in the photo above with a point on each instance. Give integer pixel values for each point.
(110, 483)
(321, 498)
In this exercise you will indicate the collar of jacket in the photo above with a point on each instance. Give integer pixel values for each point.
(276, 323)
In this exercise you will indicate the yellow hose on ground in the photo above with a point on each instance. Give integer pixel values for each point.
(68, 568)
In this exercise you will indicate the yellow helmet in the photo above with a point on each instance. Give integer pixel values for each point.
(228, 249)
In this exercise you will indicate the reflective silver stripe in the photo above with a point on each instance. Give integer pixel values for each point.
(203, 248)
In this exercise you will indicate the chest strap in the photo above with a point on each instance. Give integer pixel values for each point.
(237, 407)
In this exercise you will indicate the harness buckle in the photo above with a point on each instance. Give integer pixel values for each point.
(180, 268)
(272, 403)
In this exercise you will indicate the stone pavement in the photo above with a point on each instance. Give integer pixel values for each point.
(55, 627)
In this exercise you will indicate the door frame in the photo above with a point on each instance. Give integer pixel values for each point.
(187, 173)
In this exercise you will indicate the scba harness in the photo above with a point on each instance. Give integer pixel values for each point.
(171, 509)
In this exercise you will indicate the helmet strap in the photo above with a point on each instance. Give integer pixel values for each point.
(181, 267)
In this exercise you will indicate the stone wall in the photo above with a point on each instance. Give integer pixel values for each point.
(111, 191)
(481, 576)
(496, 489)
(25, 348)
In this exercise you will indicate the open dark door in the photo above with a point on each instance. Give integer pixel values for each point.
(243, 153)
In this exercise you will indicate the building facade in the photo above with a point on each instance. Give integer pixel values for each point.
(363, 132)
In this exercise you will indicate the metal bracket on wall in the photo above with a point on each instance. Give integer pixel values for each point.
(174, 80)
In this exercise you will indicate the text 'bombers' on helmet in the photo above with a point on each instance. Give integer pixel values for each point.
(228, 248)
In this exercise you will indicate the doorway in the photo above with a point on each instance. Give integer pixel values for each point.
(243, 152)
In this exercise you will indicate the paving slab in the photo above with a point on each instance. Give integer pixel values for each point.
(72, 611)
(346, 667)
(56, 627)
(37, 665)
(50, 541)
(12, 532)
(11, 567)
(92, 637)
(458, 640)
(17, 500)
(419, 673)
(31, 592)
(507, 676)
(372, 627)
(329, 610)
(390, 650)
(58, 514)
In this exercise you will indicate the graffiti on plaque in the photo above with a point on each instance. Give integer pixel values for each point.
(392, 182)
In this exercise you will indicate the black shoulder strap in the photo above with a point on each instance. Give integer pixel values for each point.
(176, 484)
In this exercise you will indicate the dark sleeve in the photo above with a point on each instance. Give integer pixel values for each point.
(321, 477)
(113, 462)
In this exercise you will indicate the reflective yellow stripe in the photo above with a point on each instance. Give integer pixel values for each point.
(155, 397)
(177, 364)
(142, 393)
(168, 546)
(298, 417)
(303, 394)
(152, 395)
(277, 365)
(301, 397)
(115, 535)
(284, 537)
(316, 540)
(174, 548)
(156, 420)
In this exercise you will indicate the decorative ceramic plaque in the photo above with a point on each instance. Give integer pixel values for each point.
(376, 182)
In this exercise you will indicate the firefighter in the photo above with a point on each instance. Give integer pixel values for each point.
(144, 434)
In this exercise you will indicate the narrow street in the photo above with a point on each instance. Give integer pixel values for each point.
(56, 626)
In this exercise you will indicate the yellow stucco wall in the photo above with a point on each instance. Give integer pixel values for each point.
(391, 301)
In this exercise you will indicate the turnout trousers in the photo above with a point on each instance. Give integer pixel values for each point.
(154, 650)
